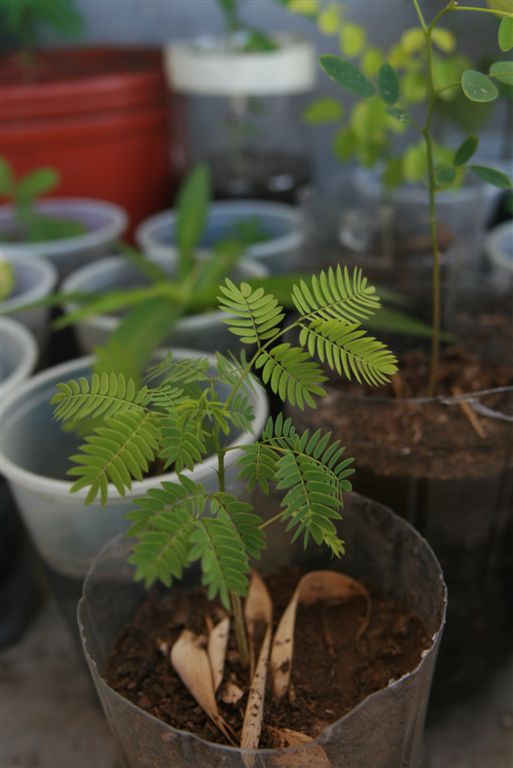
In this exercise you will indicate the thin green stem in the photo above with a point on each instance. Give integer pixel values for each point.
(238, 617)
(491, 11)
(271, 520)
(433, 224)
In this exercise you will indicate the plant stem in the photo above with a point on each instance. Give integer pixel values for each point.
(433, 223)
(238, 618)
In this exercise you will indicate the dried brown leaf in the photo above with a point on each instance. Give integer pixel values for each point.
(258, 609)
(217, 644)
(314, 756)
(314, 586)
(190, 661)
(231, 694)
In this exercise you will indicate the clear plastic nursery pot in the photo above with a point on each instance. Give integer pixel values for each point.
(499, 249)
(383, 731)
(397, 224)
(206, 331)
(19, 590)
(104, 223)
(281, 226)
(424, 458)
(252, 103)
(33, 280)
(18, 355)
(34, 458)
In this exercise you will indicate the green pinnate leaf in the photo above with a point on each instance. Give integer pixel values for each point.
(118, 452)
(245, 524)
(103, 396)
(347, 349)
(478, 87)
(254, 315)
(347, 75)
(336, 295)
(491, 176)
(182, 442)
(224, 564)
(505, 35)
(291, 374)
(321, 111)
(466, 150)
(388, 84)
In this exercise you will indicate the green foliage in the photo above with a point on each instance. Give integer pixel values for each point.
(23, 193)
(478, 87)
(193, 201)
(347, 75)
(505, 35)
(7, 280)
(178, 417)
(24, 18)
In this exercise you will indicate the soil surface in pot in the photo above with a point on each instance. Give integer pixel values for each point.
(331, 672)
(433, 436)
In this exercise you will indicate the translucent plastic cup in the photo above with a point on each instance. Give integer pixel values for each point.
(18, 355)
(383, 731)
(282, 225)
(34, 279)
(206, 331)
(103, 222)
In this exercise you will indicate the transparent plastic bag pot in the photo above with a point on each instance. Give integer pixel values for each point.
(383, 731)
(456, 487)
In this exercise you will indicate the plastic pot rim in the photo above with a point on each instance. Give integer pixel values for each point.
(208, 66)
(147, 241)
(117, 221)
(45, 280)
(52, 486)
(494, 245)
(326, 732)
(29, 354)
(367, 182)
(73, 283)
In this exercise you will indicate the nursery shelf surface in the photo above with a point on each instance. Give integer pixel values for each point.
(50, 718)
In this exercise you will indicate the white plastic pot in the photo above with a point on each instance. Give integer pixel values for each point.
(499, 247)
(214, 67)
(207, 331)
(34, 458)
(34, 278)
(18, 358)
(283, 225)
(104, 223)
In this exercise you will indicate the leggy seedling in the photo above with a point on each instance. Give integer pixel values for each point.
(24, 192)
(476, 86)
(180, 416)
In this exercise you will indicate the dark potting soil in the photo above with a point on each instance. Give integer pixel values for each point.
(426, 461)
(394, 434)
(331, 674)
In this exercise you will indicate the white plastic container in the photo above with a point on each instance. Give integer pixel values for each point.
(282, 224)
(252, 101)
(34, 458)
(34, 279)
(499, 248)
(18, 358)
(207, 331)
(104, 224)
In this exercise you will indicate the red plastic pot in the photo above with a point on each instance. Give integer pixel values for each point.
(101, 116)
